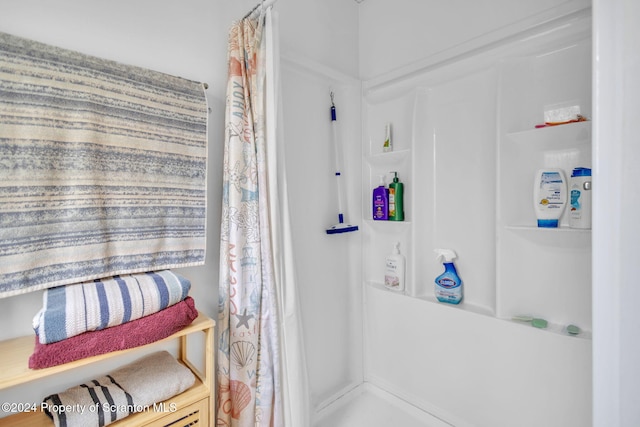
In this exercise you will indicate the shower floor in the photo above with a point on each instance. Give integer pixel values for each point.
(369, 406)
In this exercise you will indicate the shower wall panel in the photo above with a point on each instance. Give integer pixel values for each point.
(327, 266)
(471, 364)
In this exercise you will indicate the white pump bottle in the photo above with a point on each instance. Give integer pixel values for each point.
(394, 269)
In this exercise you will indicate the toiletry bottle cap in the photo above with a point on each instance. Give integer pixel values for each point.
(581, 172)
(382, 181)
(395, 176)
(396, 248)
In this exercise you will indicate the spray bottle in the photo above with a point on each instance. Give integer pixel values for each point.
(448, 284)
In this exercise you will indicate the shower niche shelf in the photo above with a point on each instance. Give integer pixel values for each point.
(387, 225)
(554, 137)
(380, 236)
(544, 273)
(384, 164)
(509, 266)
(562, 236)
(380, 286)
(553, 328)
(388, 159)
(472, 308)
(433, 300)
(536, 229)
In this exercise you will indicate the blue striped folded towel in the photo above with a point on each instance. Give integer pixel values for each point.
(90, 306)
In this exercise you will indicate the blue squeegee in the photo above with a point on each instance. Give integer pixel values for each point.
(341, 226)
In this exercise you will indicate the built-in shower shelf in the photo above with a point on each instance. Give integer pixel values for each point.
(553, 328)
(536, 229)
(432, 299)
(391, 159)
(472, 308)
(560, 237)
(558, 137)
(381, 225)
(382, 287)
(542, 272)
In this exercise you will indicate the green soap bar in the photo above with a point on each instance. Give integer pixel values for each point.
(573, 330)
(539, 323)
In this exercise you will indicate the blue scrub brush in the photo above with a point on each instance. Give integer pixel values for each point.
(341, 226)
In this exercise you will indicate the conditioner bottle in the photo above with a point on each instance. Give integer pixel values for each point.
(580, 196)
(549, 196)
(396, 199)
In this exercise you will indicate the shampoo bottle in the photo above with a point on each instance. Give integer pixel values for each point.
(549, 196)
(396, 199)
(381, 201)
(448, 284)
(394, 269)
(580, 198)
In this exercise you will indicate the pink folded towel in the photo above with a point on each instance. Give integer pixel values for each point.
(128, 335)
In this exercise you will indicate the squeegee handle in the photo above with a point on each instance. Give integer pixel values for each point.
(338, 158)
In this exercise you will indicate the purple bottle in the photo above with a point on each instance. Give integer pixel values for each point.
(381, 201)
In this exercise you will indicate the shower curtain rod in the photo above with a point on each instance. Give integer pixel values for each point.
(263, 3)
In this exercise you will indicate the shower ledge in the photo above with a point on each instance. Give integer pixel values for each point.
(553, 328)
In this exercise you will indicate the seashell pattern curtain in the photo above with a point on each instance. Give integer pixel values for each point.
(258, 329)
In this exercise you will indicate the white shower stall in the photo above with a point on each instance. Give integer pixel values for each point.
(463, 97)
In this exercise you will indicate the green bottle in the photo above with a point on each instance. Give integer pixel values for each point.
(396, 202)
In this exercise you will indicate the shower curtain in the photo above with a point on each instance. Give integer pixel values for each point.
(261, 373)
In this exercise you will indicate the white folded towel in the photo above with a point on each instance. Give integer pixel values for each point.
(133, 388)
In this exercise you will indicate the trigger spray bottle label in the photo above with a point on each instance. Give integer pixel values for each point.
(448, 285)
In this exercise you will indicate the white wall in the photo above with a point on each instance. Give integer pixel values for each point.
(395, 35)
(616, 240)
(324, 32)
(327, 265)
(473, 370)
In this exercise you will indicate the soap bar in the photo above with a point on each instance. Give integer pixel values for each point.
(573, 330)
(539, 323)
(521, 318)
